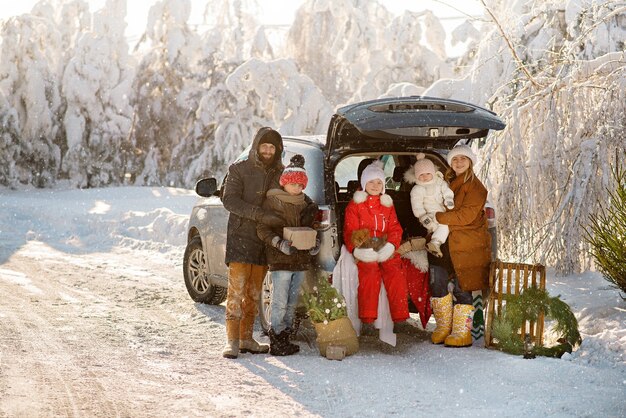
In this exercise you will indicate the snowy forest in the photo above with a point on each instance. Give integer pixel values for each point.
(80, 107)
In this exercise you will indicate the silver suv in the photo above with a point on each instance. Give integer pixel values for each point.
(392, 130)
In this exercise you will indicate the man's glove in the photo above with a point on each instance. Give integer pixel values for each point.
(316, 249)
(270, 219)
(429, 222)
(367, 255)
(449, 204)
(386, 252)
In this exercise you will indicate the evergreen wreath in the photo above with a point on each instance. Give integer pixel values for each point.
(526, 307)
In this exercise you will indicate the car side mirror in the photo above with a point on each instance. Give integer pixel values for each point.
(206, 187)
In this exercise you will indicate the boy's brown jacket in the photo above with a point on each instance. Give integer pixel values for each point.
(290, 209)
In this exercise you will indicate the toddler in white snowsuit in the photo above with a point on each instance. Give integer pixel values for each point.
(429, 195)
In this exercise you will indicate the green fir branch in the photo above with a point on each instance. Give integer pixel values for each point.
(606, 231)
(325, 303)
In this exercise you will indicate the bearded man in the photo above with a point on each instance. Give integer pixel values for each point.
(244, 191)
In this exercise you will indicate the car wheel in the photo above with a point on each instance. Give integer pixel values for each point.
(196, 276)
(265, 304)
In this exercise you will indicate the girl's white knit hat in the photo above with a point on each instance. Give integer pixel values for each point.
(461, 150)
(371, 172)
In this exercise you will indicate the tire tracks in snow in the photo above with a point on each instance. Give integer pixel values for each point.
(115, 334)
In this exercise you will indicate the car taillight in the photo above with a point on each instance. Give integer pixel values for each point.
(491, 217)
(322, 219)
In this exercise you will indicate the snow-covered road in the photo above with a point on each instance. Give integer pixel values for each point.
(95, 321)
(114, 334)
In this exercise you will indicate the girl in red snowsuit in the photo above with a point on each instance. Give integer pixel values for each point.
(374, 210)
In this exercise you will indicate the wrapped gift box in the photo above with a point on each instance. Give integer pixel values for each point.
(303, 238)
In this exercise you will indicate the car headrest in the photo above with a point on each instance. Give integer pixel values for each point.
(398, 173)
(353, 186)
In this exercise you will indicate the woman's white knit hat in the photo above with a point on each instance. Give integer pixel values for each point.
(461, 150)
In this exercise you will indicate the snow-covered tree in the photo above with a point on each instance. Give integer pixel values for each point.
(164, 91)
(96, 86)
(29, 82)
(354, 50)
(10, 149)
(333, 41)
(234, 34)
(413, 52)
(255, 94)
(71, 18)
(556, 72)
(282, 96)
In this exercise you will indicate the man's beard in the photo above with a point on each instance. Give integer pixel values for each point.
(266, 159)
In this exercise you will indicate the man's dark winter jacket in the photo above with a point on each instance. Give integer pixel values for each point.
(244, 192)
(290, 209)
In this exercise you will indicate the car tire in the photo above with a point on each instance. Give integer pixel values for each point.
(265, 304)
(197, 280)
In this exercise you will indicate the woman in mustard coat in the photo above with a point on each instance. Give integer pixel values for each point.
(470, 251)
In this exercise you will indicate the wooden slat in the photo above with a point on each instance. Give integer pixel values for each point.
(490, 303)
(499, 291)
(532, 325)
(523, 284)
(508, 281)
(541, 319)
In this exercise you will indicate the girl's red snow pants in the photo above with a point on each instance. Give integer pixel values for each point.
(393, 276)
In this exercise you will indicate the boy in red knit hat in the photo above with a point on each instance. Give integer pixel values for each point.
(286, 263)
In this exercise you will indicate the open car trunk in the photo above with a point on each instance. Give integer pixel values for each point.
(406, 124)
